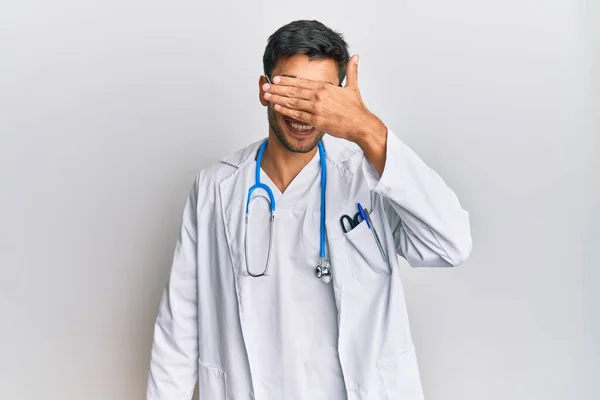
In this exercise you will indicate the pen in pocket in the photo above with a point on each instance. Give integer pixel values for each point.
(367, 218)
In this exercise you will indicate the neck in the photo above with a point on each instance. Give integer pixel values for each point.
(283, 165)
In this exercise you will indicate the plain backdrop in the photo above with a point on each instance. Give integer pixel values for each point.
(109, 108)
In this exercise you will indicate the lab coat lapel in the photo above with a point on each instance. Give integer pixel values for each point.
(342, 191)
(339, 197)
(337, 193)
(234, 190)
(233, 193)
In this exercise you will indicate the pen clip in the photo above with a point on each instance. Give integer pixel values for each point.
(363, 215)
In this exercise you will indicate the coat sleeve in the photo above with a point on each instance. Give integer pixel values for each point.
(173, 365)
(431, 228)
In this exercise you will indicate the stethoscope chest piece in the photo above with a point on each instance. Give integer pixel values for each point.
(323, 271)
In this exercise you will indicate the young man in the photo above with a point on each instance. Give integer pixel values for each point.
(313, 309)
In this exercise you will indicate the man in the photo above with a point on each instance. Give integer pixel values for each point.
(244, 311)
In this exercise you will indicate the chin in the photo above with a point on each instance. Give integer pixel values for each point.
(303, 144)
(299, 138)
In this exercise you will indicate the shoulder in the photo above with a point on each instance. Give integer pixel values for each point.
(214, 174)
(343, 153)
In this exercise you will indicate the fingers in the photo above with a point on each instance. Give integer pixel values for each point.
(289, 91)
(352, 72)
(289, 102)
(296, 114)
(298, 82)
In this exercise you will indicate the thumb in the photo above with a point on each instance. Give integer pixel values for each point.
(352, 73)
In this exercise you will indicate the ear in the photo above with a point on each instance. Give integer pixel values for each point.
(261, 81)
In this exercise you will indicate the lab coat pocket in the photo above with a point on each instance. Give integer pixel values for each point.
(364, 255)
(400, 376)
(212, 383)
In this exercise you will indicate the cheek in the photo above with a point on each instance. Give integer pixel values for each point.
(280, 118)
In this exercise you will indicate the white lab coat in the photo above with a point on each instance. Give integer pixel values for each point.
(201, 330)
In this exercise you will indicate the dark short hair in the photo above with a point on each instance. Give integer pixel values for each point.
(312, 38)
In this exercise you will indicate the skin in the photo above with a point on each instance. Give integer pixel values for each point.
(307, 92)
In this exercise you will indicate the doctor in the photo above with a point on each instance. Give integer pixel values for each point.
(275, 295)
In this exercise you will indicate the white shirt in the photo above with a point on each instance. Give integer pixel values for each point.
(304, 333)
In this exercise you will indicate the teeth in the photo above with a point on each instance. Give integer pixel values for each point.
(299, 127)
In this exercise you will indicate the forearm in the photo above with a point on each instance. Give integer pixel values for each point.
(433, 226)
(372, 139)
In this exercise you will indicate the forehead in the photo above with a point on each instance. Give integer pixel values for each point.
(301, 66)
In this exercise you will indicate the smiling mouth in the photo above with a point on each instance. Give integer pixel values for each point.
(299, 127)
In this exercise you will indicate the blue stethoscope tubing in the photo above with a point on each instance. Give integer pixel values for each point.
(323, 270)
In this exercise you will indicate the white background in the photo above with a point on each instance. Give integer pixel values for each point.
(109, 108)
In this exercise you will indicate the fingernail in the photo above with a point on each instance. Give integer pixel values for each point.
(267, 95)
(277, 79)
(277, 106)
(266, 86)
(356, 58)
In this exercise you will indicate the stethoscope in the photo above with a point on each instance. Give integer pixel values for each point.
(323, 269)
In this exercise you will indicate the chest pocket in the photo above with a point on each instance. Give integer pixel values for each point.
(365, 258)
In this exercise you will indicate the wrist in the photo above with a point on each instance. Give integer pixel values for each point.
(372, 136)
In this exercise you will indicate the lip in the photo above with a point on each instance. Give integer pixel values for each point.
(299, 134)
